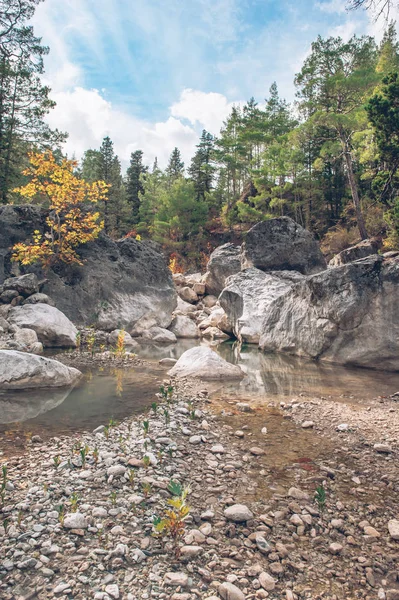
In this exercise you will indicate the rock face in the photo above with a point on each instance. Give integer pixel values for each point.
(361, 250)
(281, 244)
(204, 363)
(223, 262)
(25, 285)
(52, 327)
(247, 298)
(348, 315)
(121, 284)
(19, 370)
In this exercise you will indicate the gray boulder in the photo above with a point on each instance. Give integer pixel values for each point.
(123, 283)
(52, 327)
(159, 335)
(281, 244)
(20, 370)
(128, 341)
(204, 363)
(223, 262)
(36, 298)
(247, 297)
(25, 285)
(184, 327)
(347, 315)
(361, 250)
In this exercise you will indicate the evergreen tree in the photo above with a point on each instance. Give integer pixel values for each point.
(202, 169)
(134, 183)
(24, 100)
(175, 168)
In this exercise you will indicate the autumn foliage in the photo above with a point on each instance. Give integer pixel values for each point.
(72, 221)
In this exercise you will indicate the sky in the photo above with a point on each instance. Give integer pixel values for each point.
(152, 74)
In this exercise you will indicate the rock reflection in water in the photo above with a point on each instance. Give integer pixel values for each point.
(23, 405)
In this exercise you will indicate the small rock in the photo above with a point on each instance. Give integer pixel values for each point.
(112, 590)
(229, 591)
(256, 451)
(267, 581)
(335, 548)
(176, 579)
(383, 448)
(298, 494)
(393, 528)
(75, 521)
(307, 425)
(238, 513)
(218, 449)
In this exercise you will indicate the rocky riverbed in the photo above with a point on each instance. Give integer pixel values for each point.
(84, 529)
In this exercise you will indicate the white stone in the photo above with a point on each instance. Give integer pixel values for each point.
(206, 364)
(19, 370)
(52, 327)
(176, 579)
(229, 591)
(75, 521)
(267, 581)
(238, 513)
(393, 528)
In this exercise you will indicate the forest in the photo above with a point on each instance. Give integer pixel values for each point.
(329, 160)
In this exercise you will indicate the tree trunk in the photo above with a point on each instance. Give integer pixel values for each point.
(355, 195)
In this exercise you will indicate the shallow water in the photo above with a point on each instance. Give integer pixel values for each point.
(118, 393)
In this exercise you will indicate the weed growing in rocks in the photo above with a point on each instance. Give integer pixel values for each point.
(3, 485)
(166, 392)
(120, 349)
(74, 499)
(56, 461)
(146, 461)
(172, 523)
(61, 513)
(146, 487)
(90, 342)
(154, 407)
(113, 497)
(146, 427)
(320, 497)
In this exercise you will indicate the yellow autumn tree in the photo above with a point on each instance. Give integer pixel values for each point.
(72, 220)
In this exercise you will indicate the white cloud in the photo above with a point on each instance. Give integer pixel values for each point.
(88, 117)
(332, 6)
(200, 108)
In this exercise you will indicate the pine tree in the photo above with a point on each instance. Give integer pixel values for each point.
(134, 183)
(24, 100)
(202, 169)
(175, 168)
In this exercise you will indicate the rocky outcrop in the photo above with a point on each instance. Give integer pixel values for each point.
(204, 363)
(223, 262)
(347, 315)
(25, 285)
(53, 328)
(121, 284)
(247, 297)
(360, 250)
(19, 370)
(281, 244)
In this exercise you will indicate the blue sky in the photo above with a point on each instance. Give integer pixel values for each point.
(153, 73)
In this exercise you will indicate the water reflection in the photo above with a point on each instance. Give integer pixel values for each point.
(28, 404)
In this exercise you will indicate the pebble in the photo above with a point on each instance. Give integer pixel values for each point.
(75, 521)
(238, 513)
(383, 448)
(393, 528)
(229, 591)
(176, 579)
(267, 581)
(307, 425)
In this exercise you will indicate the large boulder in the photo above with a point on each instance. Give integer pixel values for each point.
(184, 327)
(247, 298)
(360, 250)
(347, 315)
(159, 335)
(281, 244)
(53, 328)
(223, 262)
(123, 283)
(204, 363)
(19, 370)
(25, 285)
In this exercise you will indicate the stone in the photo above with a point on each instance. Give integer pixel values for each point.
(27, 337)
(392, 594)
(184, 308)
(298, 494)
(209, 301)
(238, 513)
(213, 333)
(19, 370)
(218, 449)
(159, 335)
(383, 448)
(128, 341)
(121, 284)
(189, 552)
(281, 244)
(39, 297)
(204, 363)
(116, 470)
(223, 262)
(360, 250)
(247, 297)
(218, 319)
(371, 531)
(307, 425)
(176, 578)
(335, 548)
(348, 315)
(229, 591)
(267, 581)
(8, 296)
(393, 528)
(52, 327)
(262, 544)
(199, 288)
(256, 451)
(188, 295)
(25, 285)
(184, 327)
(112, 590)
(75, 521)
(168, 362)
